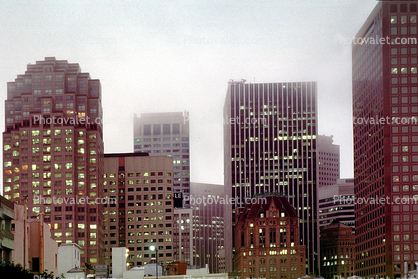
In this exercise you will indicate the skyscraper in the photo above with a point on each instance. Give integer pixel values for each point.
(208, 224)
(143, 215)
(385, 89)
(166, 133)
(328, 161)
(53, 150)
(270, 145)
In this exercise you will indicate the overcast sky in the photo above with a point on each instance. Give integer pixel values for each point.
(162, 56)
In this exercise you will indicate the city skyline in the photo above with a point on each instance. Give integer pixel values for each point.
(156, 60)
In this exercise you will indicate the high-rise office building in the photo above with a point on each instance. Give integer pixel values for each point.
(166, 133)
(336, 203)
(143, 214)
(337, 251)
(385, 108)
(183, 235)
(328, 161)
(270, 145)
(53, 150)
(206, 201)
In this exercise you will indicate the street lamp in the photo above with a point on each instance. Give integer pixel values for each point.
(155, 248)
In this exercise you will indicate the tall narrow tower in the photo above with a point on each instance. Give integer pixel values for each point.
(270, 146)
(385, 109)
(53, 151)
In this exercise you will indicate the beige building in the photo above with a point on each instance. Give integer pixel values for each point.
(328, 161)
(7, 244)
(34, 247)
(143, 214)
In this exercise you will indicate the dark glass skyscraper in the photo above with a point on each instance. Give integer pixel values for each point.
(270, 132)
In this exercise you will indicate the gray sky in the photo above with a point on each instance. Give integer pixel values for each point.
(161, 56)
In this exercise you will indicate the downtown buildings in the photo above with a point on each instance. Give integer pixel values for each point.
(270, 146)
(385, 86)
(53, 148)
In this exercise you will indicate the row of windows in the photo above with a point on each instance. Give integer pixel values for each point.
(131, 204)
(404, 70)
(167, 129)
(403, 19)
(138, 174)
(159, 139)
(167, 151)
(164, 145)
(138, 189)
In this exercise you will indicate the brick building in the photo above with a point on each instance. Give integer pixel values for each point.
(337, 251)
(267, 240)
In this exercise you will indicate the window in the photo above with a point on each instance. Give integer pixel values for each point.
(156, 129)
(166, 129)
(176, 129)
(147, 130)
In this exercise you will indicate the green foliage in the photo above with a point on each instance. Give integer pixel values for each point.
(16, 271)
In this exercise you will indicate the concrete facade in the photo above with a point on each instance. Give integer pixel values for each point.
(328, 161)
(166, 133)
(68, 258)
(143, 213)
(7, 243)
(36, 250)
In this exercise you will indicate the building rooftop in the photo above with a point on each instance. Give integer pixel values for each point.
(135, 154)
(253, 210)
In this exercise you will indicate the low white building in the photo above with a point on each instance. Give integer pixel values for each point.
(120, 271)
(68, 258)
